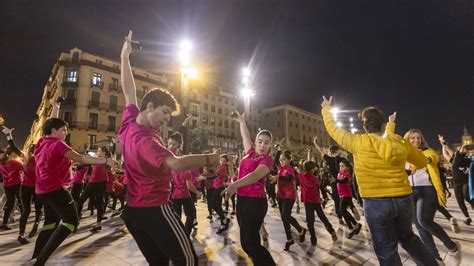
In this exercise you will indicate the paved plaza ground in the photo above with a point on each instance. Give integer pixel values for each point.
(115, 246)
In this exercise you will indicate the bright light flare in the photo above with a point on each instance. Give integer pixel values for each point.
(339, 124)
(335, 110)
(185, 45)
(246, 72)
(246, 92)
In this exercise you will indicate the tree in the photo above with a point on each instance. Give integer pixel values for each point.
(199, 139)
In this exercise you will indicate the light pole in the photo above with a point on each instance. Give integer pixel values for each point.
(246, 91)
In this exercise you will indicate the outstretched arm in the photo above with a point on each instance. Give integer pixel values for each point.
(315, 142)
(8, 131)
(126, 76)
(447, 152)
(56, 106)
(244, 131)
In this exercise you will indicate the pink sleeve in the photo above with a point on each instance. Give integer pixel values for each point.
(60, 148)
(129, 115)
(268, 161)
(153, 153)
(188, 175)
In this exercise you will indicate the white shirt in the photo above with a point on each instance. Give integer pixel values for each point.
(420, 178)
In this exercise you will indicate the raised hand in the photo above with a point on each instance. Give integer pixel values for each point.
(229, 191)
(441, 139)
(54, 102)
(127, 45)
(6, 130)
(392, 117)
(240, 117)
(326, 102)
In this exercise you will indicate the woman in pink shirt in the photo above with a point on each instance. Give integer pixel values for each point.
(11, 170)
(252, 203)
(96, 188)
(150, 218)
(286, 196)
(344, 181)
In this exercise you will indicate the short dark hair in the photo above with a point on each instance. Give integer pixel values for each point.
(309, 166)
(177, 137)
(372, 119)
(55, 123)
(160, 97)
(287, 154)
(333, 148)
(106, 150)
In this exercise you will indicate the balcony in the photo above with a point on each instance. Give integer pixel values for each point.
(114, 87)
(90, 126)
(195, 113)
(69, 102)
(97, 84)
(105, 106)
(70, 82)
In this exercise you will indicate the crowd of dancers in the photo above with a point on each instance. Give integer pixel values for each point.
(395, 180)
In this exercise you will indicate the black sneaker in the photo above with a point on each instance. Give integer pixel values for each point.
(302, 235)
(468, 221)
(96, 228)
(314, 241)
(104, 218)
(23, 240)
(33, 230)
(288, 244)
(5, 227)
(358, 227)
(333, 236)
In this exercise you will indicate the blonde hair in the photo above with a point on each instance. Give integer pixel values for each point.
(415, 130)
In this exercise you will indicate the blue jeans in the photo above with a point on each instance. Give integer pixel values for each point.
(426, 204)
(390, 222)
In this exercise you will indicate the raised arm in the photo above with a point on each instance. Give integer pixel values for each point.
(8, 131)
(126, 76)
(56, 106)
(390, 127)
(315, 142)
(244, 131)
(447, 152)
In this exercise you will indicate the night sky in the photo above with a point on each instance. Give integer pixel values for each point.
(414, 57)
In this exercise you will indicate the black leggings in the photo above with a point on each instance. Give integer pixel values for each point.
(462, 195)
(160, 235)
(94, 190)
(76, 191)
(111, 195)
(58, 205)
(345, 204)
(209, 193)
(445, 212)
(270, 188)
(337, 201)
(233, 203)
(28, 194)
(310, 209)
(250, 215)
(216, 203)
(188, 206)
(11, 193)
(285, 206)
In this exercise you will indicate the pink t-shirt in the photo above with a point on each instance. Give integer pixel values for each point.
(11, 172)
(144, 153)
(180, 188)
(286, 189)
(344, 190)
(110, 182)
(79, 175)
(53, 170)
(99, 173)
(309, 187)
(221, 176)
(194, 178)
(247, 165)
(29, 173)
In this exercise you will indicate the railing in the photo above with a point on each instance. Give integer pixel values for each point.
(105, 106)
(98, 127)
(70, 82)
(113, 87)
(99, 84)
(69, 102)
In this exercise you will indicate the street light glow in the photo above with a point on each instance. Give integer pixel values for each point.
(335, 110)
(193, 73)
(186, 45)
(351, 119)
(339, 124)
(247, 93)
(246, 72)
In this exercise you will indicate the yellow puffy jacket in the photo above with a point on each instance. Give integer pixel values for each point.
(379, 161)
(432, 167)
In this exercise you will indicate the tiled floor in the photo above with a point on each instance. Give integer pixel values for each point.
(114, 246)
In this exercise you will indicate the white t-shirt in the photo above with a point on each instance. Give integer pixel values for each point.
(420, 178)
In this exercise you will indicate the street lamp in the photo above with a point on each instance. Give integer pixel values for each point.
(246, 91)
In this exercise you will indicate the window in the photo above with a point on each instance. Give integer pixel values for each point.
(291, 124)
(93, 119)
(95, 99)
(72, 76)
(195, 96)
(116, 66)
(226, 111)
(194, 110)
(115, 84)
(98, 61)
(113, 102)
(226, 124)
(278, 123)
(226, 102)
(291, 112)
(206, 107)
(70, 94)
(75, 57)
(296, 114)
(204, 119)
(111, 123)
(213, 108)
(303, 127)
(278, 112)
(304, 139)
(219, 110)
(309, 129)
(67, 116)
(96, 79)
(91, 140)
(220, 123)
(219, 99)
(213, 121)
(296, 125)
(302, 116)
(232, 134)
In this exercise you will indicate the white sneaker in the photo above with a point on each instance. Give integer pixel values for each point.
(454, 258)
(454, 225)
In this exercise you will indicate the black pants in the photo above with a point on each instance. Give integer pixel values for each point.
(336, 199)
(76, 191)
(216, 203)
(462, 195)
(160, 235)
(188, 206)
(111, 195)
(344, 205)
(250, 215)
(310, 208)
(11, 193)
(94, 190)
(270, 188)
(445, 212)
(233, 203)
(121, 198)
(285, 206)
(209, 193)
(27, 194)
(58, 205)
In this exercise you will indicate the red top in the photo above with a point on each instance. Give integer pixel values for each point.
(344, 189)
(180, 188)
(194, 178)
(53, 170)
(286, 189)
(247, 165)
(29, 173)
(110, 182)
(79, 175)
(100, 173)
(208, 183)
(11, 172)
(221, 176)
(309, 187)
(149, 182)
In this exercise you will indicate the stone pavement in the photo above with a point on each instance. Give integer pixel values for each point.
(114, 246)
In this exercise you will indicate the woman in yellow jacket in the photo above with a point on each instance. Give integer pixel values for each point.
(379, 164)
(428, 192)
